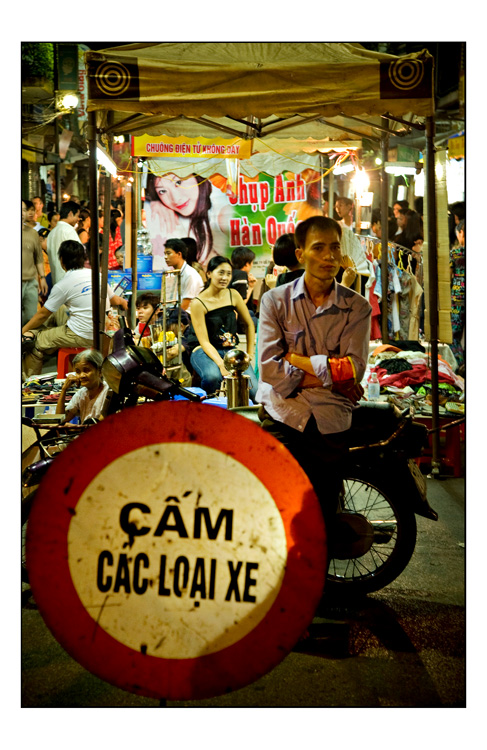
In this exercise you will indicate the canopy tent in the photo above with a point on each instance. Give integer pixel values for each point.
(256, 90)
(283, 81)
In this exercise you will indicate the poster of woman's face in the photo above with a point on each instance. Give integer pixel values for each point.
(203, 209)
(178, 195)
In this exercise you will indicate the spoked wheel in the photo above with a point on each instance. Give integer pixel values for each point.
(375, 539)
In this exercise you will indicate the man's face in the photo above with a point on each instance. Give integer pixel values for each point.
(72, 218)
(143, 312)
(342, 209)
(321, 254)
(38, 205)
(30, 213)
(173, 259)
(377, 229)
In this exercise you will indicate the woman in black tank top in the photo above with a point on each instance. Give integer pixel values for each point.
(213, 329)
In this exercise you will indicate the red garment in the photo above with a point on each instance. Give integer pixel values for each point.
(375, 323)
(419, 373)
(114, 244)
(141, 328)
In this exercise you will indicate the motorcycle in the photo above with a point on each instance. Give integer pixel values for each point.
(382, 492)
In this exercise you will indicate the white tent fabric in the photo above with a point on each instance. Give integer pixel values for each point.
(269, 163)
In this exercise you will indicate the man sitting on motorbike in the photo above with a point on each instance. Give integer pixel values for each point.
(312, 352)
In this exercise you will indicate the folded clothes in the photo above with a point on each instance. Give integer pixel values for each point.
(395, 365)
(419, 373)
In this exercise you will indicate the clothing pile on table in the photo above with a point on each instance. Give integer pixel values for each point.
(405, 371)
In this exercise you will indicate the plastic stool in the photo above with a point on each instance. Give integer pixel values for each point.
(64, 359)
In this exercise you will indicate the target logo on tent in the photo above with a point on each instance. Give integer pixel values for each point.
(404, 79)
(182, 559)
(107, 80)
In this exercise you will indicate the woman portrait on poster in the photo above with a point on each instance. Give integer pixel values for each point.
(180, 207)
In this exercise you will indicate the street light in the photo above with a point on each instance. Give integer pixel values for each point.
(66, 101)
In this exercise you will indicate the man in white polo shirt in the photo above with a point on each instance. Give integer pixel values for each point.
(64, 230)
(73, 291)
(175, 254)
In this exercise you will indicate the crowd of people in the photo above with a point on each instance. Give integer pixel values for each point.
(307, 334)
(217, 303)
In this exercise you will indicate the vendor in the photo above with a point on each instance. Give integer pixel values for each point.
(89, 401)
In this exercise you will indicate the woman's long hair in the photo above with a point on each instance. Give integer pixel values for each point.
(412, 231)
(199, 223)
(114, 215)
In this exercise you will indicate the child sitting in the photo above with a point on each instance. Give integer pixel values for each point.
(145, 305)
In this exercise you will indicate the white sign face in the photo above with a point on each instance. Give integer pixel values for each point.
(176, 550)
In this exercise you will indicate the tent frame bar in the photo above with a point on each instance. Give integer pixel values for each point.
(415, 125)
(376, 127)
(349, 130)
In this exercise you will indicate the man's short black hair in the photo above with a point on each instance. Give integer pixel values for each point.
(177, 246)
(72, 254)
(67, 208)
(342, 199)
(147, 298)
(402, 204)
(320, 222)
(241, 256)
(458, 209)
(284, 251)
(51, 214)
(28, 204)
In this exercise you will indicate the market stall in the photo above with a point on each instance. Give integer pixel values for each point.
(260, 91)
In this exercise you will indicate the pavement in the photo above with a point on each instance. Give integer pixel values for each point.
(401, 647)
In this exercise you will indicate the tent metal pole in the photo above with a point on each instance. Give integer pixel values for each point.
(433, 288)
(136, 222)
(94, 254)
(384, 221)
(331, 192)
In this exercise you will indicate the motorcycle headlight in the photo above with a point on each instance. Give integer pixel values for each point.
(112, 375)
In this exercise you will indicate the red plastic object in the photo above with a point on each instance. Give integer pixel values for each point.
(64, 359)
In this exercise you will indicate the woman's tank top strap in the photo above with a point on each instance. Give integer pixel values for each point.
(200, 300)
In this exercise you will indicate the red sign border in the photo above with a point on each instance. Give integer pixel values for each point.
(176, 679)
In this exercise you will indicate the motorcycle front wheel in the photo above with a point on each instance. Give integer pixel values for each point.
(387, 527)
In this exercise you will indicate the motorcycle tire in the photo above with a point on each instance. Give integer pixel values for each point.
(382, 505)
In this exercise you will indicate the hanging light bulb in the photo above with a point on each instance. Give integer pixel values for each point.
(360, 181)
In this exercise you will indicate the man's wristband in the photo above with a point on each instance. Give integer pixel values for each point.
(342, 369)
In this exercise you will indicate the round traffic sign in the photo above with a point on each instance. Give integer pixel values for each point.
(176, 550)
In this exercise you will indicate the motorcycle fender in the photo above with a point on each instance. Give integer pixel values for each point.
(402, 477)
(420, 502)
